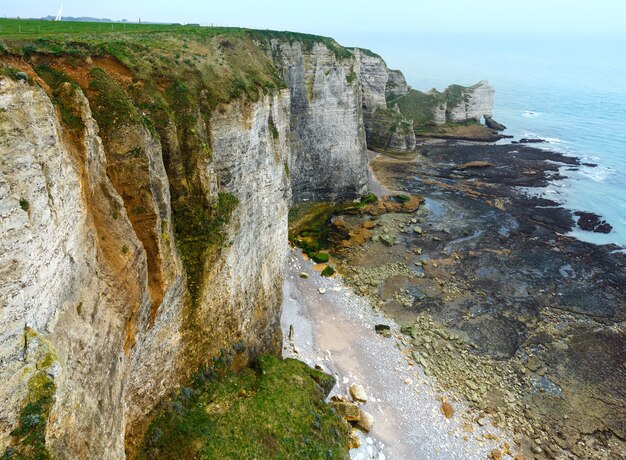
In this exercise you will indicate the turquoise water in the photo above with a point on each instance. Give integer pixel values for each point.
(570, 91)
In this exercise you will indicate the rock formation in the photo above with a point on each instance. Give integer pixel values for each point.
(327, 139)
(469, 103)
(386, 128)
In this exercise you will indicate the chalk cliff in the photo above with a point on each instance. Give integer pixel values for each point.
(328, 160)
(144, 221)
(386, 128)
(143, 213)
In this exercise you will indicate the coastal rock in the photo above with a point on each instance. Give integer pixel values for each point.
(396, 84)
(354, 442)
(493, 124)
(525, 140)
(385, 127)
(358, 393)
(349, 411)
(365, 421)
(469, 103)
(88, 242)
(592, 222)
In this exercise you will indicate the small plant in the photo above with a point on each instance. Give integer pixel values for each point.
(24, 205)
(29, 50)
(272, 128)
(328, 271)
(319, 257)
(125, 249)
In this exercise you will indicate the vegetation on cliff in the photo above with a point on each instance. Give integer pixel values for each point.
(274, 410)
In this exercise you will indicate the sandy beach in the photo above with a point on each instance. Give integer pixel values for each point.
(335, 329)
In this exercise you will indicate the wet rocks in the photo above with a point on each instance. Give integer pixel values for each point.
(592, 222)
(525, 140)
(493, 124)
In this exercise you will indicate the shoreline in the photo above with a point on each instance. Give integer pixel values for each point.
(494, 267)
(335, 330)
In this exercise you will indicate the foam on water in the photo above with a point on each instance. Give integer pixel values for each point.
(568, 90)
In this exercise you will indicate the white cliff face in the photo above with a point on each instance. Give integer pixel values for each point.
(476, 102)
(65, 275)
(386, 129)
(396, 84)
(328, 159)
(373, 75)
(80, 274)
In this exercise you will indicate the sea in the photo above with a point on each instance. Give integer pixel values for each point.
(570, 91)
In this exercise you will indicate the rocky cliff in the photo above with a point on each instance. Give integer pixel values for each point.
(327, 138)
(386, 128)
(144, 202)
(455, 104)
(469, 103)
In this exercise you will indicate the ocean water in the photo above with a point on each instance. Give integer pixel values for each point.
(570, 91)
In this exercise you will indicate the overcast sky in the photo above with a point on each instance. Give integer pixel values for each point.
(341, 17)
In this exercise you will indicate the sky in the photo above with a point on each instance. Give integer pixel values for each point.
(342, 18)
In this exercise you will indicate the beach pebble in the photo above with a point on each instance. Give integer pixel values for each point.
(321, 290)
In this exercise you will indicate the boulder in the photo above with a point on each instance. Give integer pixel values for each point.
(354, 442)
(349, 411)
(592, 222)
(387, 239)
(357, 392)
(365, 421)
(493, 124)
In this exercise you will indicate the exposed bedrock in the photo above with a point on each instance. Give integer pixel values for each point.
(95, 300)
(328, 160)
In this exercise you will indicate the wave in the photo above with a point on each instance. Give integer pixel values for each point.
(530, 114)
(597, 174)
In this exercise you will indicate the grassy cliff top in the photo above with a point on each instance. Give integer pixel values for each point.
(67, 35)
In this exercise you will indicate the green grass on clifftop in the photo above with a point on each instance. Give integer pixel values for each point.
(275, 410)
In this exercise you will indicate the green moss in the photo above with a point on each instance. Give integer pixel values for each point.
(351, 77)
(111, 106)
(319, 257)
(401, 198)
(328, 271)
(275, 410)
(125, 249)
(61, 97)
(272, 128)
(28, 439)
(455, 96)
(417, 106)
(370, 198)
(199, 232)
(24, 205)
(287, 172)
